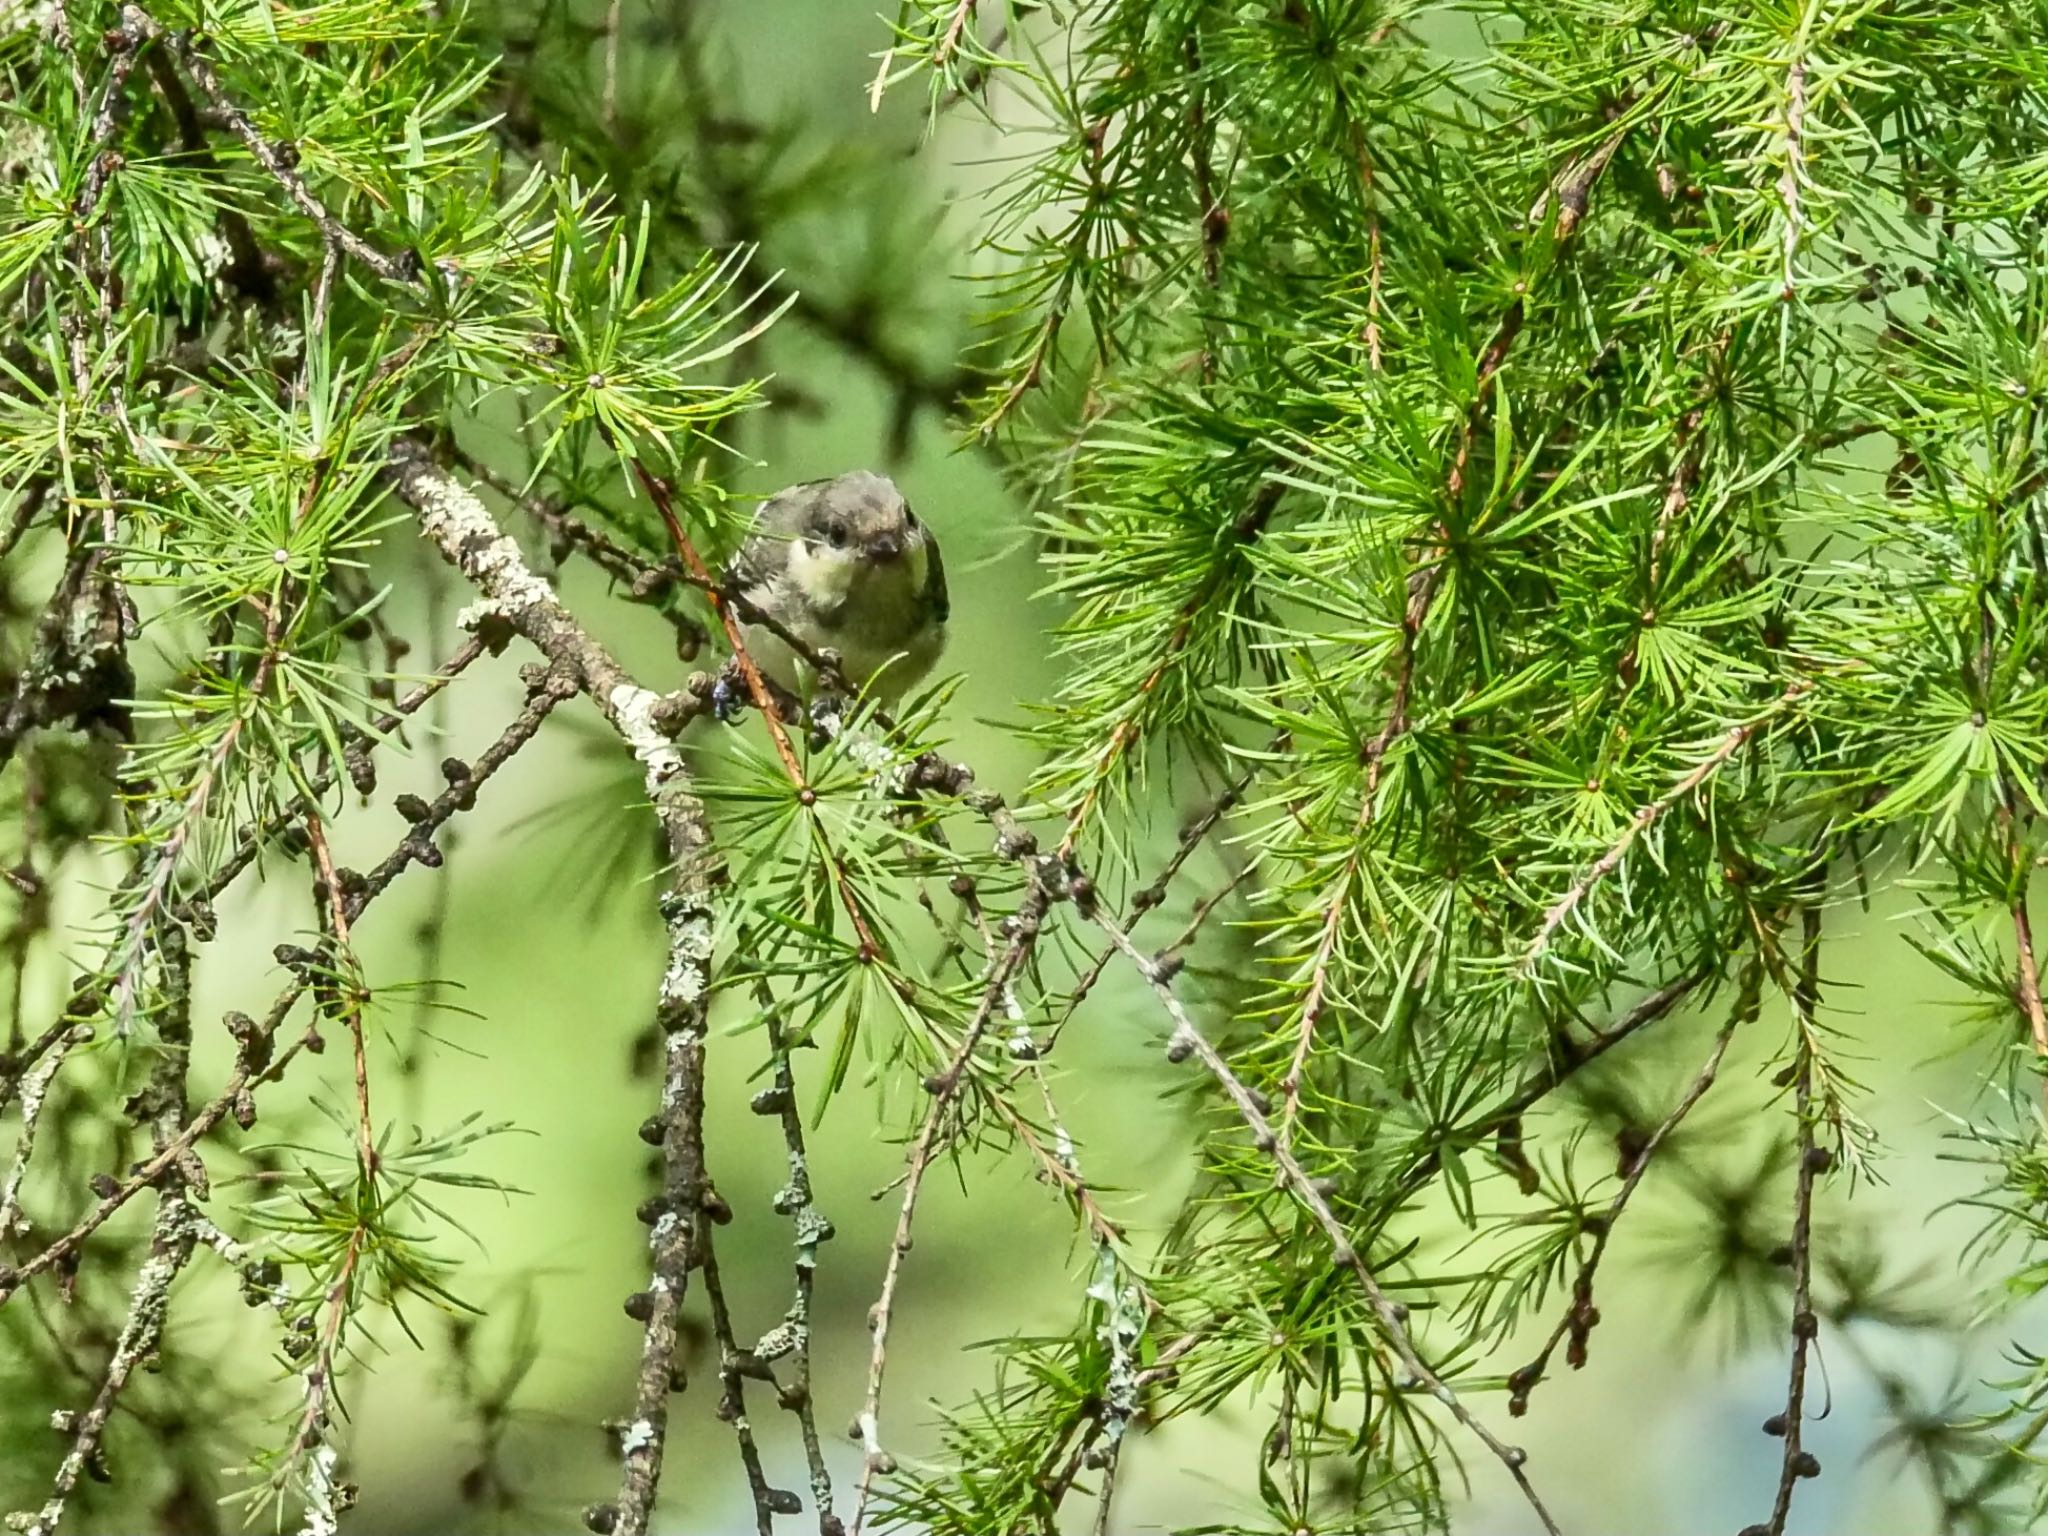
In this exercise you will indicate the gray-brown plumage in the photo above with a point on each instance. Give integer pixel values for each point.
(846, 566)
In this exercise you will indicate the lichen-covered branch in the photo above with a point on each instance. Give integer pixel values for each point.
(457, 522)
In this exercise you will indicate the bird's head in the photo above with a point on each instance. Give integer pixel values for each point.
(858, 517)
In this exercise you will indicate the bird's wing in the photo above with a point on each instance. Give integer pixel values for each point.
(935, 582)
(750, 566)
(776, 523)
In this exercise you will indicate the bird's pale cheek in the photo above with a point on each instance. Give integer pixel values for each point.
(821, 575)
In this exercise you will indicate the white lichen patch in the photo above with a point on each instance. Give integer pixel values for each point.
(214, 253)
(472, 616)
(322, 1518)
(1122, 1327)
(25, 153)
(456, 519)
(632, 710)
(21, 15)
(639, 1436)
(874, 756)
(682, 984)
(285, 340)
(784, 1338)
(690, 942)
(886, 771)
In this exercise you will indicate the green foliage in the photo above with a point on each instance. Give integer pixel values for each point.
(1552, 492)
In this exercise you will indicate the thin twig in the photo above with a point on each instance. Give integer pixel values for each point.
(962, 10)
(1095, 135)
(2030, 978)
(351, 996)
(1798, 1462)
(1153, 894)
(1034, 370)
(545, 690)
(611, 66)
(1368, 192)
(1732, 742)
(1789, 182)
(1581, 1316)
(734, 1365)
(943, 1086)
(1248, 528)
(164, 861)
(1689, 449)
(812, 1228)
(280, 161)
(310, 1444)
(35, 1091)
(1211, 217)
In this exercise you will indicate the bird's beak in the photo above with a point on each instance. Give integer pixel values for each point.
(884, 549)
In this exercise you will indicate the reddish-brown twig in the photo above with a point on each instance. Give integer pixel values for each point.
(764, 700)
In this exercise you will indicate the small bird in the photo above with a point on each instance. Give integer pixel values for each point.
(845, 566)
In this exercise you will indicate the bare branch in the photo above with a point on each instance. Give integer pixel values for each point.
(35, 1089)
(170, 1248)
(1581, 1316)
(1800, 1463)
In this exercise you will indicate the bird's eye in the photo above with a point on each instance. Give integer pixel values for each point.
(835, 535)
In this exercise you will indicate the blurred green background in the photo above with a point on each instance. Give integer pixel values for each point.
(553, 983)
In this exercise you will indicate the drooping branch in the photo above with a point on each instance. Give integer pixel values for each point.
(1056, 879)
(461, 527)
(811, 1229)
(171, 1242)
(1186, 1040)
(149, 1304)
(1572, 187)
(943, 1086)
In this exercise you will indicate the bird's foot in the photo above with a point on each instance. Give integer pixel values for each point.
(728, 695)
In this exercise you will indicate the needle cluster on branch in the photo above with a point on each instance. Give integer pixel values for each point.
(1534, 527)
